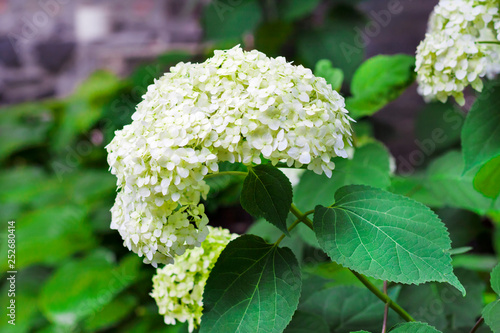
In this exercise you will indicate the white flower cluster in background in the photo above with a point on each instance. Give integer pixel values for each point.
(178, 288)
(452, 55)
(237, 106)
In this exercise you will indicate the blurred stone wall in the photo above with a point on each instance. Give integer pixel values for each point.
(48, 46)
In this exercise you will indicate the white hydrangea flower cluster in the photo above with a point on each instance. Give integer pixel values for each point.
(237, 106)
(178, 288)
(450, 57)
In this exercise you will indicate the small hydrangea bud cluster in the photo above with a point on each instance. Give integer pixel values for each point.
(178, 288)
(451, 56)
(237, 106)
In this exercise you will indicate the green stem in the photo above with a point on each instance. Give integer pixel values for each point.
(386, 311)
(285, 166)
(226, 173)
(478, 324)
(290, 228)
(489, 42)
(302, 217)
(385, 298)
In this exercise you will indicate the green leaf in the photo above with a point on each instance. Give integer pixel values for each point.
(85, 107)
(378, 81)
(446, 181)
(385, 236)
(481, 131)
(495, 279)
(81, 288)
(438, 127)
(491, 314)
(414, 327)
(49, 235)
(303, 322)
(487, 179)
(475, 262)
(332, 75)
(291, 10)
(412, 186)
(267, 193)
(347, 308)
(225, 19)
(111, 314)
(336, 40)
(253, 287)
(24, 126)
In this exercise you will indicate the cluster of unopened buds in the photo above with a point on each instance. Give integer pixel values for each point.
(459, 49)
(237, 106)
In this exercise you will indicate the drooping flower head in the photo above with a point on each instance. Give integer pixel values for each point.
(237, 106)
(453, 54)
(178, 288)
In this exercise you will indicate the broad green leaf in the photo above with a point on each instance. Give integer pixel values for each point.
(303, 322)
(491, 314)
(481, 131)
(369, 166)
(253, 287)
(438, 127)
(441, 305)
(332, 75)
(291, 10)
(495, 279)
(412, 186)
(487, 179)
(385, 236)
(24, 126)
(347, 308)
(336, 40)
(111, 314)
(84, 108)
(475, 262)
(414, 327)
(267, 193)
(378, 81)
(49, 235)
(81, 288)
(92, 185)
(446, 181)
(225, 19)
